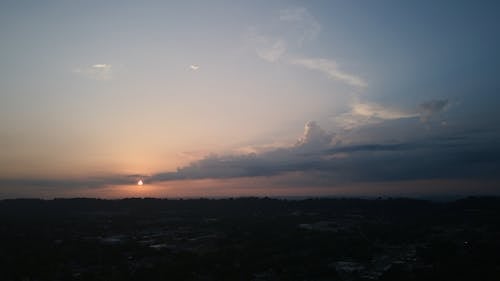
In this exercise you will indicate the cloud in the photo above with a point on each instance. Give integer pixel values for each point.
(268, 48)
(299, 27)
(316, 159)
(307, 26)
(316, 151)
(300, 156)
(194, 67)
(364, 113)
(292, 158)
(380, 112)
(335, 163)
(273, 51)
(99, 71)
(90, 182)
(315, 137)
(331, 69)
(102, 66)
(429, 109)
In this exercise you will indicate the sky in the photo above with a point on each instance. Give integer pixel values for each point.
(249, 98)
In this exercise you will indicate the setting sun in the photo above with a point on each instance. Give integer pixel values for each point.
(140, 182)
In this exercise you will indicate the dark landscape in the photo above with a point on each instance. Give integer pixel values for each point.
(269, 140)
(250, 239)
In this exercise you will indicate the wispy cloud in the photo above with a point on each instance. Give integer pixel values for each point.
(364, 113)
(306, 25)
(90, 182)
(194, 67)
(99, 71)
(429, 109)
(268, 48)
(102, 66)
(331, 69)
(372, 110)
(299, 27)
(271, 51)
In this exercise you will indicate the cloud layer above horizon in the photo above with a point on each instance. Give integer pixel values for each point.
(320, 159)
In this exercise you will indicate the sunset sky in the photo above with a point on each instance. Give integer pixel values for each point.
(249, 98)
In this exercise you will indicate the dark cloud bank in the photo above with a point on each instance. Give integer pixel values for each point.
(459, 156)
(447, 157)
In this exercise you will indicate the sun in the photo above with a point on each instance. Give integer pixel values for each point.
(140, 182)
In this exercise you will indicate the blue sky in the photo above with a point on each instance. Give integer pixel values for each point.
(231, 98)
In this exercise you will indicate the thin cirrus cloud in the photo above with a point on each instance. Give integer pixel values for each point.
(98, 71)
(270, 50)
(308, 27)
(331, 69)
(299, 28)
